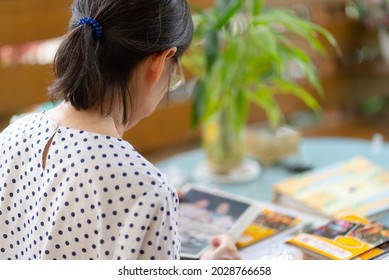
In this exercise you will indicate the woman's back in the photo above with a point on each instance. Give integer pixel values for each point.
(96, 197)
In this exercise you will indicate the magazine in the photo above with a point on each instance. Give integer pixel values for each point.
(342, 239)
(205, 212)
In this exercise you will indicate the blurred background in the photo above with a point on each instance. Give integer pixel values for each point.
(356, 93)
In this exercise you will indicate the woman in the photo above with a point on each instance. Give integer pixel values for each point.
(70, 187)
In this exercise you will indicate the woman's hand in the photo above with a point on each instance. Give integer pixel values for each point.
(180, 194)
(223, 248)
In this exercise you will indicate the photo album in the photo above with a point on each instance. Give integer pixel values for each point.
(346, 238)
(205, 212)
(353, 186)
(267, 223)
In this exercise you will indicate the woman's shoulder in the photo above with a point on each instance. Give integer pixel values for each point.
(22, 124)
(131, 177)
(114, 160)
(25, 120)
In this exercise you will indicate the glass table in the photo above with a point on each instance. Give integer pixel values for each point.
(314, 153)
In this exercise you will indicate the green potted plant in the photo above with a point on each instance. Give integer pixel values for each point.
(240, 54)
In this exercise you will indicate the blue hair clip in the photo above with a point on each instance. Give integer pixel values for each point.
(94, 23)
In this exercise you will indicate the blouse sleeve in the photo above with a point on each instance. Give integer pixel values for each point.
(150, 228)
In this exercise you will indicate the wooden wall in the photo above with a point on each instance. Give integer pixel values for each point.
(24, 21)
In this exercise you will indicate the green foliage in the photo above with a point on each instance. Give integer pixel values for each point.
(241, 52)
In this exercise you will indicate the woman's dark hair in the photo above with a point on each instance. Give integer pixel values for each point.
(86, 67)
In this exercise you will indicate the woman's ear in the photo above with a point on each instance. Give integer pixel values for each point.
(157, 64)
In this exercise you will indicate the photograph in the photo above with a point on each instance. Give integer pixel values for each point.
(373, 233)
(193, 241)
(276, 221)
(335, 228)
(205, 212)
(213, 210)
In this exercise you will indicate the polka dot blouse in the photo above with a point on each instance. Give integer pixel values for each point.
(96, 198)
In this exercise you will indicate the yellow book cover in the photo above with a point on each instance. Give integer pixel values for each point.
(375, 252)
(342, 239)
(266, 224)
(355, 186)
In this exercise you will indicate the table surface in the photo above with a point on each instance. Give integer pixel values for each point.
(315, 152)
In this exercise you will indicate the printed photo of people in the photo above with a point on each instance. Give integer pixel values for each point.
(373, 233)
(335, 228)
(211, 209)
(276, 221)
(193, 241)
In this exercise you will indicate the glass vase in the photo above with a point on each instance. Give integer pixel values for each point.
(223, 143)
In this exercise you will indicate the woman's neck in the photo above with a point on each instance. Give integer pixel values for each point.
(89, 120)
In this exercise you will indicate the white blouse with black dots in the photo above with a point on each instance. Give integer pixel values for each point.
(97, 198)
